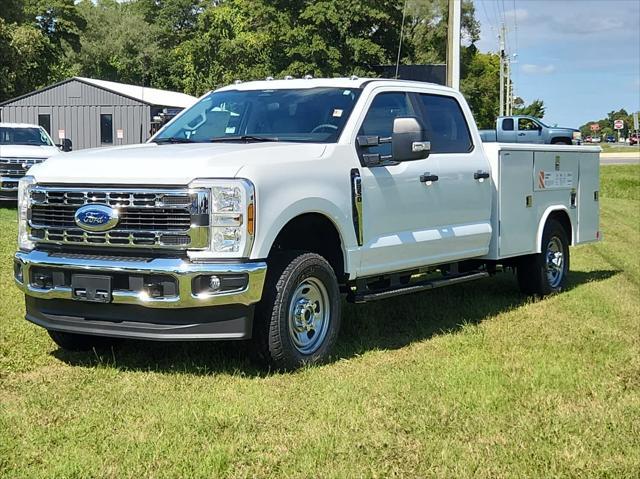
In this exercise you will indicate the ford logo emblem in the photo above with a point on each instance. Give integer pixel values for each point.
(96, 217)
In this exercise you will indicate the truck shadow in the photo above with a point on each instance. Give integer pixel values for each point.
(389, 324)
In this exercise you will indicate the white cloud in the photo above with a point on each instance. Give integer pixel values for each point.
(531, 69)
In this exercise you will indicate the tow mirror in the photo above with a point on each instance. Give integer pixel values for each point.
(408, 142)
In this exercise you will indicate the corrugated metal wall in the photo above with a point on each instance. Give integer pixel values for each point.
(75, 107)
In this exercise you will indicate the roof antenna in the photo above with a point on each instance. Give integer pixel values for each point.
(404, 13)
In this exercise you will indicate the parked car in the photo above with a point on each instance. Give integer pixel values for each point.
(610, 139)
(588, 139)
(21, 146)
(250, 214)
(527, 129)
(633, 139)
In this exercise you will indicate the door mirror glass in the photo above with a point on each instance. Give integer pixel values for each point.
(408, 141)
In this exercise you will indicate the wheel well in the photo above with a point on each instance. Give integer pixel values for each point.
(561, 139)
(316, 233)
(562, 217)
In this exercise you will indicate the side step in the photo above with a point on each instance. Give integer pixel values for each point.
(364, 297)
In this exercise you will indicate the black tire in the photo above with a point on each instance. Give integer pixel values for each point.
(287, 308)
(539, 273)
(79, 342)
(561, 141)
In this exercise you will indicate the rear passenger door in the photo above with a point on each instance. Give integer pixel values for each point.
(460, 201)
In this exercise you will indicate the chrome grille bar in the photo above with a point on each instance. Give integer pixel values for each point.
(148, 218)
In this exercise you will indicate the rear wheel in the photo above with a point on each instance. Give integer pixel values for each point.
(78, 342)
(298, 319)
(546, 272)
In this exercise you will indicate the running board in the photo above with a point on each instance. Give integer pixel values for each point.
(364, 297)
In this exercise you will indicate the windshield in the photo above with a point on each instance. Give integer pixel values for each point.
(24, 136)
(302, 115)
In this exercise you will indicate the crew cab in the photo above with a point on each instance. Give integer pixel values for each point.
(21, 146)
(527, 129)
(252, 213)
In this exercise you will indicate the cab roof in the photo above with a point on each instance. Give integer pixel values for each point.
(18, 125)
(300, 83)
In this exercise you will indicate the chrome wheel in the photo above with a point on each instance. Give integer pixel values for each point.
(309, 315)
(555, 262)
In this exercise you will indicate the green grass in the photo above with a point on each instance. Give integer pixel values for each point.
(470, 381)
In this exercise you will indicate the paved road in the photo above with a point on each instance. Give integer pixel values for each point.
(619, 160)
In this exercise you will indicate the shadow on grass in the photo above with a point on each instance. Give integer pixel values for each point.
(389, 324)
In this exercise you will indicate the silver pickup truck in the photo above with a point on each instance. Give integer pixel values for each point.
(527, 129)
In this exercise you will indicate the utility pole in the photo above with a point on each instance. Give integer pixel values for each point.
(501, 37)
(453, 45)
(509, 95)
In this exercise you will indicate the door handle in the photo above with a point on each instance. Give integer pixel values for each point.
(480, 175)
(520, 134)
(428, 178)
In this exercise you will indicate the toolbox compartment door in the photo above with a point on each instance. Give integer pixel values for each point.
(589, 198)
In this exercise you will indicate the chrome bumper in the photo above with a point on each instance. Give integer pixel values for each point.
(9, 183)
(183, 272)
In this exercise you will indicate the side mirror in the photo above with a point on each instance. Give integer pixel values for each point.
(408, 141)
(66, 145)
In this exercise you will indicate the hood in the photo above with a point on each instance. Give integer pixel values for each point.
(28, 151)
(562, 128)
(167, 164)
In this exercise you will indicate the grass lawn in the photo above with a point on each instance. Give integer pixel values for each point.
(470, 381)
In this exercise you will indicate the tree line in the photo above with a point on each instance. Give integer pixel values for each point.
(197, 45)
(606, 125)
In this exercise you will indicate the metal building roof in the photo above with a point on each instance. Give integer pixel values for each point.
(150, 96)
(144, 94)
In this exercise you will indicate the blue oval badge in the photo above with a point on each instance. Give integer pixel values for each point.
(96, 217)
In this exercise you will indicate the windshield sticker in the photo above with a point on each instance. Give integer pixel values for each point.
(337, 113)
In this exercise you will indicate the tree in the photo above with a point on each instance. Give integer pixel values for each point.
(58, 20)
(535, 109)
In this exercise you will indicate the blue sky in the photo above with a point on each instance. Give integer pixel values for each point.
(582, 57)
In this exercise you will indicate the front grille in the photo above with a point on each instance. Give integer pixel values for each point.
(163, 218)
(17, 167)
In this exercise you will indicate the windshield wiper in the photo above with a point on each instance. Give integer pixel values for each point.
(243, 138)
(173, 139)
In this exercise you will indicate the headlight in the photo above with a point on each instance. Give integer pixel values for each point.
(24, 203)
(231, 218)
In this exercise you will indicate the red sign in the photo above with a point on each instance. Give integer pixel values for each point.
(618, 125)
(595, 127)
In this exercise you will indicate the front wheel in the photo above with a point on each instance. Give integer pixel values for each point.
(546, 272)
(298, 319)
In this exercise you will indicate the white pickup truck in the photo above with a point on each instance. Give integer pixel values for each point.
(21, 146)
(251, 213)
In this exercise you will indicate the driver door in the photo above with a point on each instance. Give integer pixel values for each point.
(394, 209)
(529, 131)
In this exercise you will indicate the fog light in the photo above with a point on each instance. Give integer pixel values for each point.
(214, 283)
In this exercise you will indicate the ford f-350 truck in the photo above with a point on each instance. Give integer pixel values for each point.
(252, 213)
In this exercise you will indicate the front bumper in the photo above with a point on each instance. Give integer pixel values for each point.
(8, 188)
(176, 309)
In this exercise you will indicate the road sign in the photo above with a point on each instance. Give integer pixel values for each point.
(618, 125)
(595, 127)
(635, 121)
(61, 134)
(119, 134)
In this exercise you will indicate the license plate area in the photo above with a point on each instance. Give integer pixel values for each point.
(91, 287)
